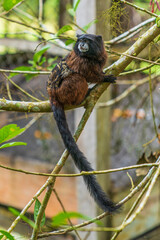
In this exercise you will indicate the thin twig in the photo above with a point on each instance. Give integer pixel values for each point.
(150, 141)
(143, 100)
(26, 25)
(130, 31)
(140, 69)
(124, 94)
(139, 8)
(64, 210)
(133, 207)
(141, 184)
(77, 174)
(142, 204)
(63, 231)
(129, 36)
(151, 96)
(5, 12)
(26, 14)
(8, 90)
(133, 57)
(21, 89)
(19, 33)
(75, 24)
(133, 192)
(87, 235)
(25, 72)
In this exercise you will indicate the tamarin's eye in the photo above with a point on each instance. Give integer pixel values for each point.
(83, 46)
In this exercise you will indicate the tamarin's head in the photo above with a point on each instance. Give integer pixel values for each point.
(89, 46)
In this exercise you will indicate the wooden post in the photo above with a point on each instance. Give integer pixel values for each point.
(104, 124)
(63, 15)
(95, 139)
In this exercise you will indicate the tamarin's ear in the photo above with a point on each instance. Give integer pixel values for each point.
(78, 35)
(99, 38)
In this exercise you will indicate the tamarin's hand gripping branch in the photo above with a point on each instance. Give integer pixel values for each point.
(67, 85)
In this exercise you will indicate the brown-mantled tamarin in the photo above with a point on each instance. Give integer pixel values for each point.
(67, 85)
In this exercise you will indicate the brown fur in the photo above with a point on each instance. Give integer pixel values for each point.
(72, 91)
(80, 70)
(90, 69)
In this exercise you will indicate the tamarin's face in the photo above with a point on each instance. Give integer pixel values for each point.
(89, 45)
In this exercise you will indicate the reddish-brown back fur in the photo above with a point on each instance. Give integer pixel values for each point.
(72, 90)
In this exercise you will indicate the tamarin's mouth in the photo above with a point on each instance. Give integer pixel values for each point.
(83, 47)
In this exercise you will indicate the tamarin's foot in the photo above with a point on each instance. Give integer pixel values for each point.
(110, 78)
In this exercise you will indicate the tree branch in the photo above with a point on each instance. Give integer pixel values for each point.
(130, 31)
(139, 8)
(96, 92)
(81, 173)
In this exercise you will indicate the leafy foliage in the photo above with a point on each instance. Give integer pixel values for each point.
(72, 11)
(36, 210)
(12, 144)
(75, 4)
(36, 63)
(24, 68)
(63, 30)
(39, 59)
(158, 21)
(9, 4)
(24, 218)
(86, 27)
(37, 56)
(6, 234)
(62, 218)
(9, 132)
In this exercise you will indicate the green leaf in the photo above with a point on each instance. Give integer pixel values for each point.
(30, 76)
(12, 144)
(61, 218)
(86, 27)
(10, 131)
(71, 12)
(155, 68)
(6, 234)
(21, 68)
(9, 4)
(69, 41)
(26, 68)
(51, 60)
(37, 56)
(31, 62)
(63, 29)
(42, 61)
(36, 210)
(158, 21)
(75, 5)
(24, 218)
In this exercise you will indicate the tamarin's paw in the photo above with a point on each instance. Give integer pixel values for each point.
(110, 78)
